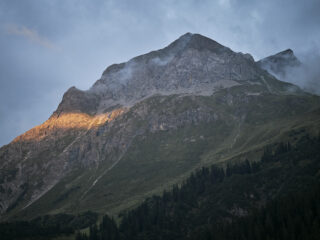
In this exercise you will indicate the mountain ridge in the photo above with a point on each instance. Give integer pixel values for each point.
(201, 105)
(211, 66)
(279, 63)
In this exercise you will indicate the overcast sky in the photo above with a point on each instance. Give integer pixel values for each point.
(47, 46)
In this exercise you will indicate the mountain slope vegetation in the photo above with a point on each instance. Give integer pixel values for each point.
(275, 198)
(145, 125)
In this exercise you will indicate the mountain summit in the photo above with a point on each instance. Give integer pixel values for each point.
(279, 63)
(193, 64)
(145, 125)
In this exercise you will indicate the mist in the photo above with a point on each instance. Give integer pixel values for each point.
(307, 74)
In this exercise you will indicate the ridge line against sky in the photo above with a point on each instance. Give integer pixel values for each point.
(50, 45)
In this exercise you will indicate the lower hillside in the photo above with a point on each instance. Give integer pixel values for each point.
(158, 143)
(47, 227)
(275, 198)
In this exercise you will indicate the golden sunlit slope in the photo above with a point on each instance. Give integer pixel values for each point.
(147, 123)
(158, 142)
(35, 161)
(68, 121)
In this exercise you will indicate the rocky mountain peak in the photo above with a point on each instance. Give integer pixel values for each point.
(278, 64)
(199, 42)
(75, 100)
(195, 41)
(161, 57)
(288, 51)
(192, 64)
(126, 126)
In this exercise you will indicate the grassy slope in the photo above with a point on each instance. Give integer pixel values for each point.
(155, 161)
(205, 200)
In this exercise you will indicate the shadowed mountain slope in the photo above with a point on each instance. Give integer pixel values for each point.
(145, 125)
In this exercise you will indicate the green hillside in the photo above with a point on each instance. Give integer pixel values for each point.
(276, 197)
(273, 197)
(230, 126)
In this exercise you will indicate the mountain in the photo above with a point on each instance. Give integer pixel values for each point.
(145, 125)
(209, 66)
(280, 63)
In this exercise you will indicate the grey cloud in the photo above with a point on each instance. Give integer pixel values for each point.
(29, 34)
(307, 75)
(162, 61)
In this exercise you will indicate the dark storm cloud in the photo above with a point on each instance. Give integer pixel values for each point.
(49, 45)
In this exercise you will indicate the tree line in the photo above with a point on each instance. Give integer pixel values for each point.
(46, 226)
(192, 210)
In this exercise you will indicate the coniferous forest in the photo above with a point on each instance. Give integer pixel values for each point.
(46, 226)
(277, 197)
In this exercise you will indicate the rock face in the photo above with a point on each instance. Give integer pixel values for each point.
(210, 65)
(280, 63)
(83, 154)
(193, 64)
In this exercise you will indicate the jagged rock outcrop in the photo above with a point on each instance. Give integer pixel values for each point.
(193, 82)
(278, 64)
(193, 64)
